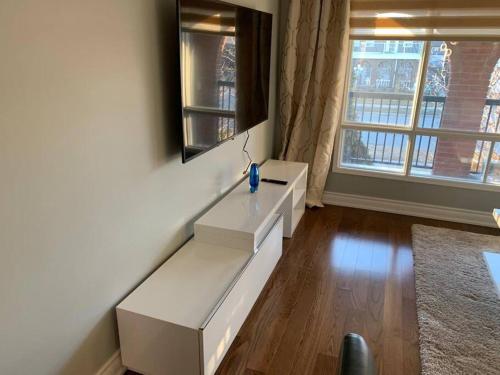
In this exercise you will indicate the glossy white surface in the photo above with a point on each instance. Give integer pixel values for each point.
(496, 216)
(169, 324)
(282, 170)
(493, 263)
(153, 346)
(221, 329)
(241, 216)
(186, 288)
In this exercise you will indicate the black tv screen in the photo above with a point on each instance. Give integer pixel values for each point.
(225, 53)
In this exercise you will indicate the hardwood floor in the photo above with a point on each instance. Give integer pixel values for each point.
(345, 270)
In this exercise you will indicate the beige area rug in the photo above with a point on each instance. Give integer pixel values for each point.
(457, 306)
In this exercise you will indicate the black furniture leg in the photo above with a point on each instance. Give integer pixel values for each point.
(356, 357)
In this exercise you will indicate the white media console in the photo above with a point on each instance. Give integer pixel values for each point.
(183, 318)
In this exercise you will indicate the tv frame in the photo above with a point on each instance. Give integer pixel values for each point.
(180, 86)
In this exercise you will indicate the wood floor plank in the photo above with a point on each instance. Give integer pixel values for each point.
(325, 365)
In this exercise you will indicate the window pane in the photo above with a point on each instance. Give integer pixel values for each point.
(462, 87)
(375, 150)
(424, 151)
(494, 169)
(383, 81)
(454, 158)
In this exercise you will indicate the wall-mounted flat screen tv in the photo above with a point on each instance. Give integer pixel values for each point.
(225, 53)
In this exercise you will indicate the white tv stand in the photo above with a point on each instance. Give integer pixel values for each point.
(184, 317)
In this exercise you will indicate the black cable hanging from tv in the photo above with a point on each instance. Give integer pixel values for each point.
(248, 154)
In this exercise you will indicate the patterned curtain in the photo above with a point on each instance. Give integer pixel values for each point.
(312, 79)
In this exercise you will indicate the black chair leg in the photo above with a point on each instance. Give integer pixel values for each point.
(356, 357)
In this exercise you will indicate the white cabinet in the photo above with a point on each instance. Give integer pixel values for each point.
(183, 318)
(240, 218)
(221, 328)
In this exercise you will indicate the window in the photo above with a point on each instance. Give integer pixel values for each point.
(423, 110)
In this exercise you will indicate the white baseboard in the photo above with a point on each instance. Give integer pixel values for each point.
(113, 365)
(429, 211)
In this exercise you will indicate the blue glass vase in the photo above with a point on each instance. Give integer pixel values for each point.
(254, 178)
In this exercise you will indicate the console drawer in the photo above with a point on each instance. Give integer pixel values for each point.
(220, 329)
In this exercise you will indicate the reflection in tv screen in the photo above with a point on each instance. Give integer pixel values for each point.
(225, 53)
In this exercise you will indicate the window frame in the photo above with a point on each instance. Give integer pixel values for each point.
(412, 131)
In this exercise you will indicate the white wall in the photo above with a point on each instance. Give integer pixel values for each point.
(93, 194)
(454, 197)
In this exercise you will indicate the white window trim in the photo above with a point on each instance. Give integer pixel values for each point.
(412, 131)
